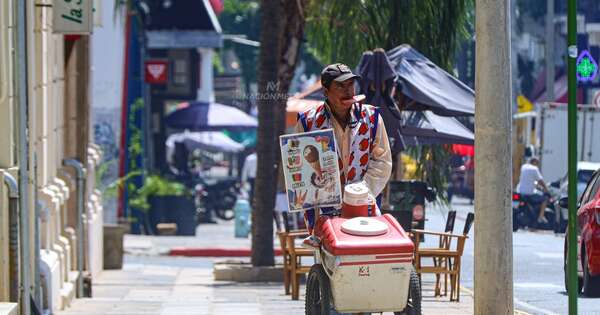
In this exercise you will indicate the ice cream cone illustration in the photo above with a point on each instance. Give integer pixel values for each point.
(311, 155)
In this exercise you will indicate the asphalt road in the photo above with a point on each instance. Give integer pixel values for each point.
(537, 269)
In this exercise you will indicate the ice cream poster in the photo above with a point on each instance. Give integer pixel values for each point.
(311, 171)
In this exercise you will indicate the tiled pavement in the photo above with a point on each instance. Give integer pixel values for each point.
(165, 285)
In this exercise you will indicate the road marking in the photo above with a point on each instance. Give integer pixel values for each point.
(550, 255)
(537, 285)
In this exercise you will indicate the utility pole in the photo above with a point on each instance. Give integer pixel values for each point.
(493, 163)
(572, 156)
(550, 51)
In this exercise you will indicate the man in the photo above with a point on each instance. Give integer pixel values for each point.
(530, 179)
(362, 142)
(249, 175)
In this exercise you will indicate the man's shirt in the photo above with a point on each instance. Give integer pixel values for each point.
(530, 174)
(380, 167)
(249, 170)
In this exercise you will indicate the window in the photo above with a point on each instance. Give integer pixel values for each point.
(590, 190)
(594, 190)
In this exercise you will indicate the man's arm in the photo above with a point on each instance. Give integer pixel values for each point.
(540, 180)
(380, 165)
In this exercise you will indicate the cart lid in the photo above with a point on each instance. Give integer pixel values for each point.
(364, 226)
(338, 243)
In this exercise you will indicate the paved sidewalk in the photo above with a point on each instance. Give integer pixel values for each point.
(152, 282)
(167, 285)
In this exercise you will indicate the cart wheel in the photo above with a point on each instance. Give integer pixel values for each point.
(318, 292)
(413, 307)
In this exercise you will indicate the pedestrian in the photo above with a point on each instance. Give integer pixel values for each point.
(249, 175)
(362, 142)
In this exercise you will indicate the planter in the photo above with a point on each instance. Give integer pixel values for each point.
(173, 209)
(113, 246)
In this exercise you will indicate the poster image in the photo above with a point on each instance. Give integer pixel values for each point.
(311, 171)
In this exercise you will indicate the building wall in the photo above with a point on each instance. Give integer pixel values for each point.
(106, 92)
(7, 134)
(58, 126)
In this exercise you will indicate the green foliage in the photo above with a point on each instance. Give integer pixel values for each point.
(242, 18)
(340, 31)
(432, 167)
(153, 185)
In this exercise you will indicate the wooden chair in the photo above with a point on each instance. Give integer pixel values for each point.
(444, 242)
(292, 254)
(446, 257)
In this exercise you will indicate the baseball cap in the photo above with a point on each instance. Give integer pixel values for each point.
(336, 72)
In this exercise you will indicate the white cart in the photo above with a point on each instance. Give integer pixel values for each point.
(363, 265)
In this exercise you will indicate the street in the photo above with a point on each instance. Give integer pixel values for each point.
(537, 269)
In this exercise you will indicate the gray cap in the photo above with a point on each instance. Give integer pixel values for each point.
(336, 72)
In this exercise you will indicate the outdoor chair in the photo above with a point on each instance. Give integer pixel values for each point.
(446, 257)
(292, 254)
(444, 242)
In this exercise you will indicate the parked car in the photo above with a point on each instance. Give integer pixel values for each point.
(585, 170)
(588, 238)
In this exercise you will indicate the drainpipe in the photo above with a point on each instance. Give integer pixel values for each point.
(13, 217)
(37, 288)
(22, 149)
(80, 170)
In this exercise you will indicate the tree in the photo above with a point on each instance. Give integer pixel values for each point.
(340, 31)
(282, 31)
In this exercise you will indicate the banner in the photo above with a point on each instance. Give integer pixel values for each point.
(311, 170)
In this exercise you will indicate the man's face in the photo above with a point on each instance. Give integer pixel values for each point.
(338, 92)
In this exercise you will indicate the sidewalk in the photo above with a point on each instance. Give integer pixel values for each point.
(152, 282)
(167, 285)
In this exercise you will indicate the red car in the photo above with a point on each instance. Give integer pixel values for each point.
(588, 238)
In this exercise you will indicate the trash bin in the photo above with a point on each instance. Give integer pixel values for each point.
(409, 196)
(242, 218)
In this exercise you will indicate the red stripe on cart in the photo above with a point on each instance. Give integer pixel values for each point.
(376, 262)
(408, 255)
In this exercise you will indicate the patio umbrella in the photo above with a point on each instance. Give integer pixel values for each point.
(213, 141)
(429, 86)
(425, 127)
(377, 80)
(201, 116)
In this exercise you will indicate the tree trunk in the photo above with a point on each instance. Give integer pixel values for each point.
(294, 12)
(266, 149)
(273, 85)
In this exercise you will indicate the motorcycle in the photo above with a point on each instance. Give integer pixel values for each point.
(216, 196)
(525, 214)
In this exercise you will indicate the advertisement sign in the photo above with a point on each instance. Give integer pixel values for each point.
(156, 71)
(311, 171)
(73, 16)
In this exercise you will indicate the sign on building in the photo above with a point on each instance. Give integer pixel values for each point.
(156, 71)
(73, 16)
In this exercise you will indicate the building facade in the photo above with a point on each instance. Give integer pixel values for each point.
(55, 231)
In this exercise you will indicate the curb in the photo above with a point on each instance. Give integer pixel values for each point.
(471, 293)
(245, 272)
(213, 252)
